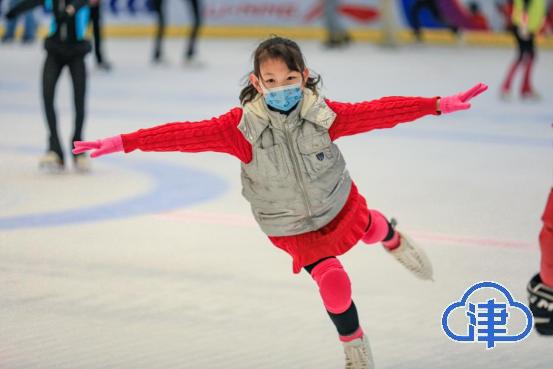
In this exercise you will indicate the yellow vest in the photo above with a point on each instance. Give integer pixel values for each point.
(536, 14)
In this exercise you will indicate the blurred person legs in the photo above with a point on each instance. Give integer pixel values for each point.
(53, 66)
(432, 7)
(524, 58)
(527, 89)
(540, 287)
(335, 290)
(195, 7)
(95, 18)
(160, 30)
(30, 25)
(336, 34)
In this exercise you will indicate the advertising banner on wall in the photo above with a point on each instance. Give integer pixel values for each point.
(360, 14)
(307, 13)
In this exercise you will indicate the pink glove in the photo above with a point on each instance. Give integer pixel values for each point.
(449, 104)
(103, 146)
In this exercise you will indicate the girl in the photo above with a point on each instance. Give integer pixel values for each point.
(65, 47)
(295, 177)
(527, 19)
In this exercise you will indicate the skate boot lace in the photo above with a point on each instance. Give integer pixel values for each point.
(409, 254)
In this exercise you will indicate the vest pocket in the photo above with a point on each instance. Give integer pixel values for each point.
(270, 162)
(318, 153)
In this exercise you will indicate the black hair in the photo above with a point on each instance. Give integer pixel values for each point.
(277, 48)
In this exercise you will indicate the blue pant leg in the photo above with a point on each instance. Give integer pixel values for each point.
(29, 32)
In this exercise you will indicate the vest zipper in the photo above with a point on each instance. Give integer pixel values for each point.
(297, 172)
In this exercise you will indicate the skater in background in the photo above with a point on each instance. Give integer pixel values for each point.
(540, 287)
(432, 6)
(190, 55)
(295, 177)
(29, 30)
(337, 35)
(97, 26)
(527, 19)
(65, 46)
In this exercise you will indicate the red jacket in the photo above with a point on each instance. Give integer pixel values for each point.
(221, 134)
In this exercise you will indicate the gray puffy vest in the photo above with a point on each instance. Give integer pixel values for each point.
(297, 180)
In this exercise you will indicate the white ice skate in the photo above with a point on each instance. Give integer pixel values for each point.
(413, 258)
(530, 96)
(358, 354)
(505, 95)
(50, 163)
(194, 63)
(81, 164)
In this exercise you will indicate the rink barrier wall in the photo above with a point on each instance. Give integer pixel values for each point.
(469, 38)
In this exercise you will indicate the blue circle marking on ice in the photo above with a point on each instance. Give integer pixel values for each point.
(175, 186)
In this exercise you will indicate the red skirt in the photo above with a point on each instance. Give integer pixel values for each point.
(335, 238)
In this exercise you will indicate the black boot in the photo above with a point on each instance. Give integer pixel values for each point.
(540, 297)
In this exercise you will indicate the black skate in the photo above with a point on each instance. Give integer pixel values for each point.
(540, 297)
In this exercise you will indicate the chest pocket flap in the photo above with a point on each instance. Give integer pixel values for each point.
(314, 144)
(318, 153)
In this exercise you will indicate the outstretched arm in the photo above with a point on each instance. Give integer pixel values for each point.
(386, 112)
(217, 134)
(390, 111)
(22, 7)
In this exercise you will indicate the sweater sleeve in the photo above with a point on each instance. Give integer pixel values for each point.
(218, 134)
(386, 112)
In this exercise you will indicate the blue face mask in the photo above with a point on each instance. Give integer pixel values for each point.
(283, 98)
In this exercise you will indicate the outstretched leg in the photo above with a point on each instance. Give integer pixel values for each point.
(399, 246)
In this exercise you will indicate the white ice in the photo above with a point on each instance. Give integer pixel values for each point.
(153, 260)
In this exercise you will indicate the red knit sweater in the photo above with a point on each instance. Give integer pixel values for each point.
(222, 135)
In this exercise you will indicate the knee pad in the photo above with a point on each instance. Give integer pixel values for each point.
(378, 228)
(334, 285)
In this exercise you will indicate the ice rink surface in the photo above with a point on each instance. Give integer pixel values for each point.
(154, 261)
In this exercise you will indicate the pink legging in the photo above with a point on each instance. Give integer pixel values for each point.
(378, 228)
(333, 281)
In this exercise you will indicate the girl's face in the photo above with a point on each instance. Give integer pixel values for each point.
(275, 73)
